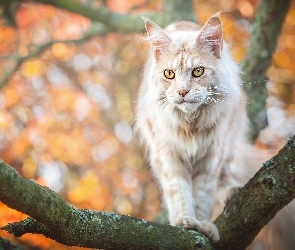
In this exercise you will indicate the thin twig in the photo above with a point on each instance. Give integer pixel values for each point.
(96, 29)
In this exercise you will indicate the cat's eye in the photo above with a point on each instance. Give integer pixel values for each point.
(197, 72)
(169, 74)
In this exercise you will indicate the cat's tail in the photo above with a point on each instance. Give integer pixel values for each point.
(279, 233)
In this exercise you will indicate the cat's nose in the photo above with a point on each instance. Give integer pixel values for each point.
(183, 92)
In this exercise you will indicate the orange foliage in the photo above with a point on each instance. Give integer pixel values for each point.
(7, 39)
(66, 116)
(63, 52)
(34, 67)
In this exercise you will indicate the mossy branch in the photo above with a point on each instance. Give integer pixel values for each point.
(260, 199)
(175, 10)
(58, 220)
(113, 20)
(266, 193)
(5, 244)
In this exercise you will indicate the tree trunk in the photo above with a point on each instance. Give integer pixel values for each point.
(179, 10)
(262, 44)
(261, 198)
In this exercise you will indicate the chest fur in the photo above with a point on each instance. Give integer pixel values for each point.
(184, 139)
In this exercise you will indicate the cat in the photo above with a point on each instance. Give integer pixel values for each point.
(191, 116)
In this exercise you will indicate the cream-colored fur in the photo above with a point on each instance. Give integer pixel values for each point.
(194, 127)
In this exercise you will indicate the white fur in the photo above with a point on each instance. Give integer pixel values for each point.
(192, 138)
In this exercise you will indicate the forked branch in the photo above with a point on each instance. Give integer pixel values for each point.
(273, 187)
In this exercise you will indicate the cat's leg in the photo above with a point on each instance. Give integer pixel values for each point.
(204, 184)
(177, 193)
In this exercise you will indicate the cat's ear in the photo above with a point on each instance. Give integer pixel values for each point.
(157, 37)
(211, 35)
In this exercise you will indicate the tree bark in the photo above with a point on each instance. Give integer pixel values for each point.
(261, 198)
(60, 221)
(245, 215)
(262, 44)
(6, 245)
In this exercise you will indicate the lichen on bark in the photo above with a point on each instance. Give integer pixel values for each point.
(58, 220)
(243, 217)
(260, 199)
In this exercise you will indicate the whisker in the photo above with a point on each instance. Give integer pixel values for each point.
(132, 123)
(260, 81)
(131, 94)
(164, 104)
(161, 103)
(126, 102)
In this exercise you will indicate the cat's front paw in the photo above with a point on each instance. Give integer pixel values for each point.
(210, 230)
(189, 223)
(205, 227)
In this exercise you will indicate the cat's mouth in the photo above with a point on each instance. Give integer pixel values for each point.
(187, 101)
(188, 106)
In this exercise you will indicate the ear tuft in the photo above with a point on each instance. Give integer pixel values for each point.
(157, 37)
(211, 35)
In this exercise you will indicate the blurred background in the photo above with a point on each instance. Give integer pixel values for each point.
(67, 114)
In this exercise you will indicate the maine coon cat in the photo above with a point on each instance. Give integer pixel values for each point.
(191, 115)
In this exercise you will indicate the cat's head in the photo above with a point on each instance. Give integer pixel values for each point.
(188, 63)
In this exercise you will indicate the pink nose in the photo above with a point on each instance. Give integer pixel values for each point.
(183, 92)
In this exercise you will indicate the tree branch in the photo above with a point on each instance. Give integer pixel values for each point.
(177, 11)
(9, 10)
(272, 186)
(58, 220)
(260, 199)
(6, 245)
(109, 21)
(174, 11)
(245, 215)
(113, 20)
(95, 30)
(262, 44)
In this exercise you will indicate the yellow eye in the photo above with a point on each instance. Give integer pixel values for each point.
(197, 72)
(169, 74)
